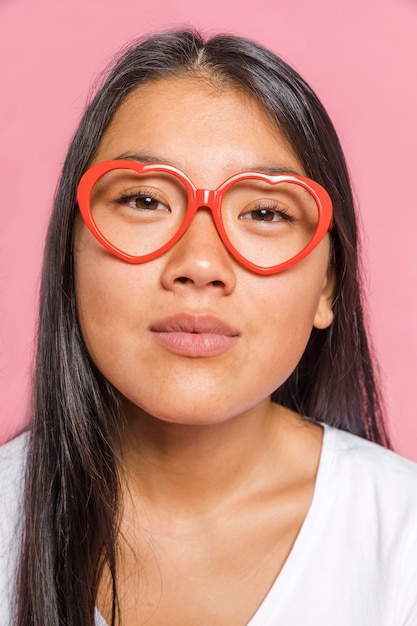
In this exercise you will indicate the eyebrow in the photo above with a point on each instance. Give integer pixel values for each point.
(270, 170)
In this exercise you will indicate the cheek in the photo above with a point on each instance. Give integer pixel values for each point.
(109, 302)
(283, 313)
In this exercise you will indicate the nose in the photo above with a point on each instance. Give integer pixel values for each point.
(199, 259)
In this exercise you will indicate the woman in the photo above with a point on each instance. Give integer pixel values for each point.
(200, 297)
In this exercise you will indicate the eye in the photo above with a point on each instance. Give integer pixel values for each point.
(143, 200)
(267, 214)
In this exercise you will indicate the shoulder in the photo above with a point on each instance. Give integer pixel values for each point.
(372, 481)
(371, 498)
(13, 450)
(12, 472)
(12, 467)
(357, 455)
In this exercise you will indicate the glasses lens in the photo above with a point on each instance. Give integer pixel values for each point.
(138, 213)
(269, 223)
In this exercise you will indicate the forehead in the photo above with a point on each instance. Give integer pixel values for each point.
(207, 130)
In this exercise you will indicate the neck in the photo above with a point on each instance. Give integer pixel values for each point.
(197, 465)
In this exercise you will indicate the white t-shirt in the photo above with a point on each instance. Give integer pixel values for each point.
(354, 562)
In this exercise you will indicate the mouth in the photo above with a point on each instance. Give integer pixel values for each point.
(194, 335)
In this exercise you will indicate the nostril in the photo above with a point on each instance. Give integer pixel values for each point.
(182, 280)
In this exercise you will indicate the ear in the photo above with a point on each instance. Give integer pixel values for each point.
(324, 313)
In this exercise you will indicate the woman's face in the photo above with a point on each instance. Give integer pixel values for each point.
(193, 337)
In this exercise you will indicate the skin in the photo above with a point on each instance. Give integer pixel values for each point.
(208, 464)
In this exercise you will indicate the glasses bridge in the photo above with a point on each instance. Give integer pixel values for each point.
(204, 198)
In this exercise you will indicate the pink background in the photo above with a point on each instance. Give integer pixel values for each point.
(360, 57)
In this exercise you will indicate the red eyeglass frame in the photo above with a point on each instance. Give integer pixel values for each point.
(203, 198)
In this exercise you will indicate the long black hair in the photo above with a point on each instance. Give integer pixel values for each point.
(72, 489)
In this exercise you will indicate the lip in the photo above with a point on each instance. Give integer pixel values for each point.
(194, 335)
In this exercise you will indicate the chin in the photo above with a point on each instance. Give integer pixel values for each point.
(185, 413)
